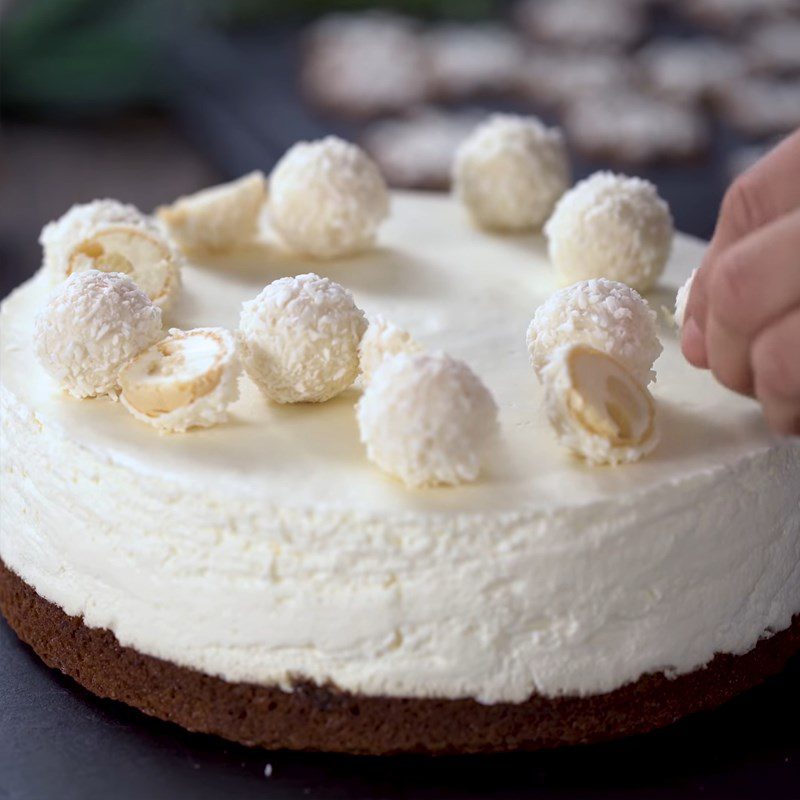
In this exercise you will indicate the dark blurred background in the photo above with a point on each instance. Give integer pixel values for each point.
(143, 100)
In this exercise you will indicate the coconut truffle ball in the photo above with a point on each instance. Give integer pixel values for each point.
(682, 298)
(59, 237)
(186, 380)
(298, 339)
(92, 324)
(427, 419)
(383, 339)
(510, 172)
(606, 315)
(327, 198)
(110, 236)
(610, 226)
(597, 408)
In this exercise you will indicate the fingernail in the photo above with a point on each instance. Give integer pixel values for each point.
(693, 343)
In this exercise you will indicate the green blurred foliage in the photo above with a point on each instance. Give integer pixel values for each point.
(237, 11)
(93, 57)
(82, 56)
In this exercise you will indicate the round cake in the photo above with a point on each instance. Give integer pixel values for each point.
(263, 581)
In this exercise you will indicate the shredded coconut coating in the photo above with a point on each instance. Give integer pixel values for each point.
(590, 445)
(217, 219)
(113, 237)
(383, 339)
(604, 314)
(682, 298)
(91, 325)
(510, 172)
(298, 339)
(327, 198)
(184, 397)
(427, 419)
(610, 226)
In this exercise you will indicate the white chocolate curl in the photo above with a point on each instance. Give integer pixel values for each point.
(111, 237)
(218, 219)
(610, 226)
(427, 419)
(299, 338)
(597, 408)
(91, 325)
(186, 380)
(604, 314)
(382, 340)
(510, 172)
(327, 198)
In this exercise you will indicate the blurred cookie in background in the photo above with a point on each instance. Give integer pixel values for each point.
(761, 107)
(417, 152)
(633, 128)
(606, 24)
(734, 16)
(557, 77)
(690, 70)
(774, 47)
(467, 61)
(364, 65)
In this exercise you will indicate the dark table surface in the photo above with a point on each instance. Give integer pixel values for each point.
(57, 741)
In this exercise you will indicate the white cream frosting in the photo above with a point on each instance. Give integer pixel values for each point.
(269, 547)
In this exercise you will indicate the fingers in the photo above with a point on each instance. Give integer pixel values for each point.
(753, 284)
(693, 339)
(767, 191)
(776, 368)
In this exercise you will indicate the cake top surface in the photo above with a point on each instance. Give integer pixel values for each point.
(454, 288)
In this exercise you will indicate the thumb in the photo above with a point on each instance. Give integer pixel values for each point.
(767, 191)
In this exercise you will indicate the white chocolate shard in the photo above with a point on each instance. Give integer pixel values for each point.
(298, 339)
(510, 172)
(682, 298)
(597, 408)
(600, 313)
(610, 226)
(327, 198)
(383, 339)
(111, 237)
(187, 380)
(218, 219)
(427, 419)
(92, 324)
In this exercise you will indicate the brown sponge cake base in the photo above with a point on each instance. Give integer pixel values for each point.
(325, 718)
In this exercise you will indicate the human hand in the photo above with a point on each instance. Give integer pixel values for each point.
(742, 318)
